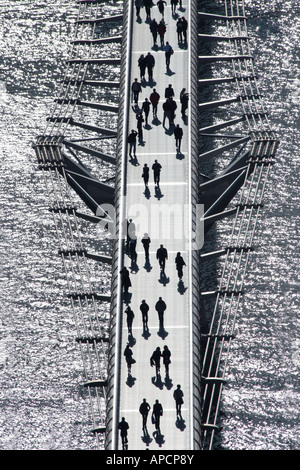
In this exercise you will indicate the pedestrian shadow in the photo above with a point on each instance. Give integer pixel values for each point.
(181, 288)
(156, 121)
(159, 438)
(155, 47)
(134, 161)
(148, 266)
(148, 127)
(168, 382)
(142, 142)
(134, 267)
(158, 382)
(180, 423)
(131, 340)
(146, 438)
(147, 193)
(163, 279)
(130, 380)
(135, 108)
(180, 155)
(146, 333)
(158, 194)
(127, 297)
(169, 72)
(185, 120)
(162, 333)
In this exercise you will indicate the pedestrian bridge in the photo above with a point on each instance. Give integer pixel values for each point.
(211, 178)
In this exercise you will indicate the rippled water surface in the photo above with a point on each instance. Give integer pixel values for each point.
(42, 402)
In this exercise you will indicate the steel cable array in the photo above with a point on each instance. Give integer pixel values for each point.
(90, 324)
(232, 278)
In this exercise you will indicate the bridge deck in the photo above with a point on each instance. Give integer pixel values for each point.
(147, 280)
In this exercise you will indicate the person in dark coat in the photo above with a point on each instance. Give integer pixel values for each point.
(162, 256)
(167, 111)
(161, 29)
(179, 261)
(140, 120)
(138, 5)
(146, 243)
(157, 412)
(129, 318)
(153, 29)
(148, 5)
(129, 358)
(161, 7)
(145, 174)
(160, 307)
(136, 90)
(154, 99)
(168, 52)
(178, 133)
(146, 109)
(155, 360)
(142, 66)
(178, 397)
(169, 92)
(174, 4)
(184, 28)
(166, 354)
(173, 107)
(144, 308)
(144, 410)
(156, 167)
(184, 99)
(179, 27)
(132, 142)
(124, 426)
(132, 249)
(125, 279)
(150, 63)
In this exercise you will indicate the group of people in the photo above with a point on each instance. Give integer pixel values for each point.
(157, 413)
(146, 64)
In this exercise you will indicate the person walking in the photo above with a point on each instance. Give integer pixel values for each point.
(144, 410)
(162, 256)
(145, 174)
(155, 360)
(144, 308)
(150, 63)
(161, 29)
(156, 167)
(161, 7)
(178, 133)
(138, 5)
(154, 99)
(148, 5)
(136, 90)
(173, 107)
(184, 99)
(168, 52)
(146, 244)
(129, 319)
(184, 28)
(142, 66)
(129, 358)
(153, 28)
(125, 279)
(160, 307)
(178, 397)
(132, 142)
(132, 249)
(146, 109)
(167, 111)
(124, 426)
(174, 4)
(140, 120)
(179, 28)
(157, 412)
(169, 92)
(166, 354)
(130, 232)
(179, 261)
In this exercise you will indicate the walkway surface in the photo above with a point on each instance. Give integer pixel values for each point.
(148, 282)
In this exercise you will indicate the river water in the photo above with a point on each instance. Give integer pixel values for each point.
(41, 399)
